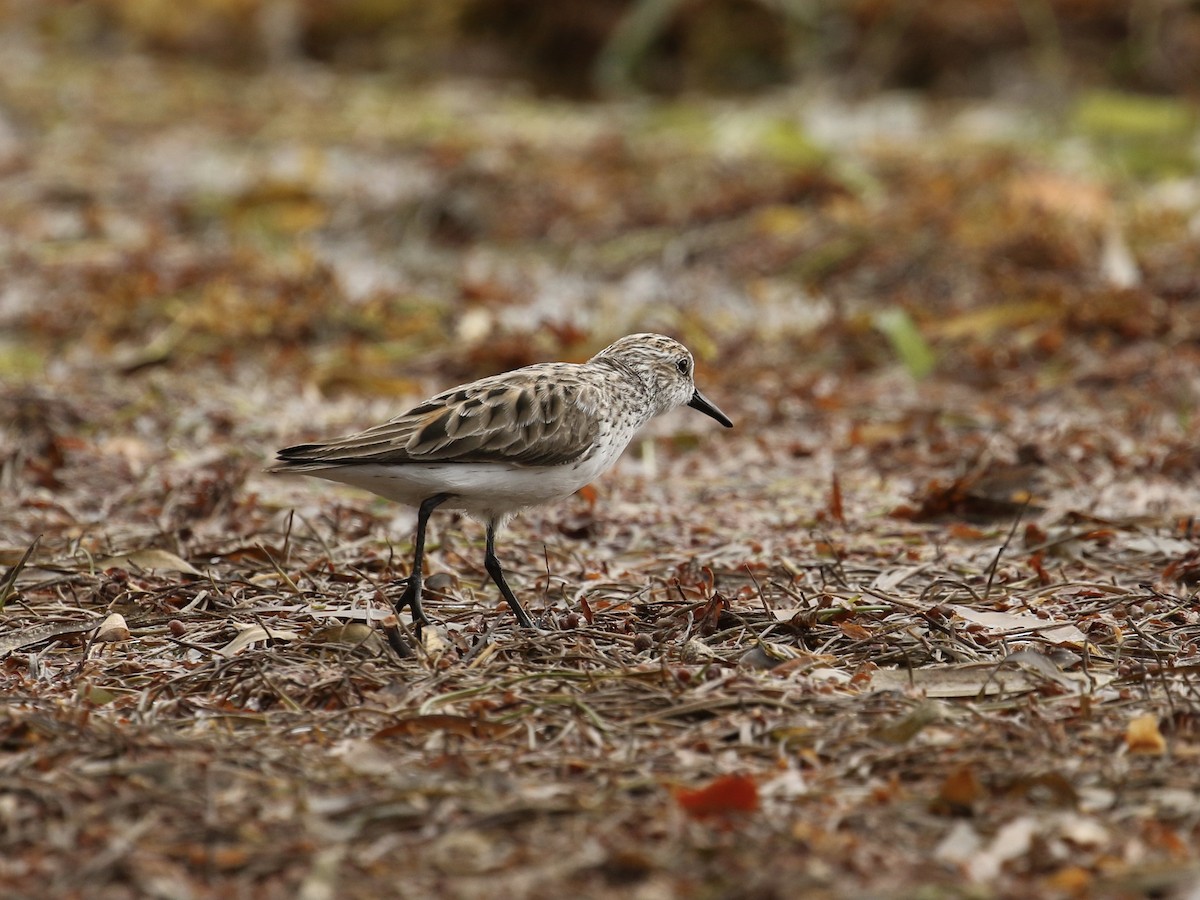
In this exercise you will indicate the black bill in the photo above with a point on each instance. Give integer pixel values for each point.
(706, 406)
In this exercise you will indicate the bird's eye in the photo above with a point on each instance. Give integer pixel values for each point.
(684, 366)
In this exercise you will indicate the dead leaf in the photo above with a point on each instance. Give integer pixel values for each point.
(255, 634)
(694, 651)
(977, 679)
(1008, 623)
(965, 532)
(1143, 735)
(150, 558)
(38, 633)
(854, 631)
(834, 508)
(958, 794)
(1071, 880)
(112, 630)
(722, 797)
(890, 579)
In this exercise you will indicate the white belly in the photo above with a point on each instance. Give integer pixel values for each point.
(483, 490)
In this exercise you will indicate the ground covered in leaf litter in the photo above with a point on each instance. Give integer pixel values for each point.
(923, 623)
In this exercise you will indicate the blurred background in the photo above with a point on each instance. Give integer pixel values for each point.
(208, 177)
(583, 50)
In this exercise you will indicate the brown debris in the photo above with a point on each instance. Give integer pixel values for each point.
(748, 678)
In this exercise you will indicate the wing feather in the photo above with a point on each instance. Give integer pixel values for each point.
(518, 417)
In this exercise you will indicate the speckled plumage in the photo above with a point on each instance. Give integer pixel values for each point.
(510, 441)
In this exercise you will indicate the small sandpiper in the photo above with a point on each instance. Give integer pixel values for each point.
(508, 442)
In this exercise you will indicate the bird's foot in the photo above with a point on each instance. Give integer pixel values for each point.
(412, 599)
(397, 641)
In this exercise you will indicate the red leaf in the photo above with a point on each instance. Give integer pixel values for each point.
(727, 794)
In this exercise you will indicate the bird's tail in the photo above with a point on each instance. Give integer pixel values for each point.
(298, 459)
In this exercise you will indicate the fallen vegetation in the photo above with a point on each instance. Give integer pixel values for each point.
(923, 624)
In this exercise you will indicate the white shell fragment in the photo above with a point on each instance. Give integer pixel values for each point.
(112, 630)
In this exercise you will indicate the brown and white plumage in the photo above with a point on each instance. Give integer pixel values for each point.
(510, 441)
(517, 417)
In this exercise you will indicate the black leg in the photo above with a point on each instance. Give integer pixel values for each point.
(412, 592)
(493, 567)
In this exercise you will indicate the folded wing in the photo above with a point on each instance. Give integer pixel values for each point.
(516, 418)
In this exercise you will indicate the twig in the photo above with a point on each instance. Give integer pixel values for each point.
(999, 553)
(8, 586)
(278, 570)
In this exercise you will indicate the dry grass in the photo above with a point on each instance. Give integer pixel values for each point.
(943, 631)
